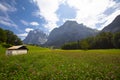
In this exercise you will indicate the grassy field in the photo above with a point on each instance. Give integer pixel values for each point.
(46, 64)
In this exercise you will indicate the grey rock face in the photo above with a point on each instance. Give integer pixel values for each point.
(37, 37)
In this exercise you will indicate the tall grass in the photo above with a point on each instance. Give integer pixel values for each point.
(2, 50)
(46, 64)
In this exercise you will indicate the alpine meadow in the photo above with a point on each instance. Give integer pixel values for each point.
(48, 64)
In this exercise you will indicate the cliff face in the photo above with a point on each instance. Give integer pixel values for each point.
(37, 37)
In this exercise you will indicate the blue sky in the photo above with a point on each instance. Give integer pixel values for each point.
(21, 16)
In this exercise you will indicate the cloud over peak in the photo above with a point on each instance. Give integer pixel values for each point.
(23, 16)
(88, 12)
(28, 29)
(48, 11)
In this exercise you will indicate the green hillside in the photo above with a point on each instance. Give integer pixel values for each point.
(45, 64)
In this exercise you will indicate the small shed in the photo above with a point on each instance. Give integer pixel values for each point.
(15, 50)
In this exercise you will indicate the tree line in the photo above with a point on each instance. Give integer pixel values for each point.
(9, 38)
(104, 40)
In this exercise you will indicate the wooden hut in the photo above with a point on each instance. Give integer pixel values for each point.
(15, 50)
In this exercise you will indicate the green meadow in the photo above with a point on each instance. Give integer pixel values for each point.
(49, 64)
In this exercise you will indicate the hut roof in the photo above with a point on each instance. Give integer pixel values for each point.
(17, 47)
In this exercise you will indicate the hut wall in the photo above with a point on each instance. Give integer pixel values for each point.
(16, 52)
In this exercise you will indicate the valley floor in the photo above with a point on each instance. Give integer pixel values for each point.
(46, 64)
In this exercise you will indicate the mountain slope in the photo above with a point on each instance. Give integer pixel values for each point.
(114, 26)
(70, 31)
(37, 37)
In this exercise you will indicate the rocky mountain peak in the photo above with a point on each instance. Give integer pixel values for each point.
(36, 36)
(70, 31)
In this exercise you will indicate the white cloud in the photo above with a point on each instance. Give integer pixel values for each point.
(3, 8)
(109, 19)
(29, 23)
(22, 35)
(34, 23)
(36, 13)
(88, 12)
(48, 11)
(24, 22)
(6, 7)
(28, 29)
(7, 21)
(66, 19)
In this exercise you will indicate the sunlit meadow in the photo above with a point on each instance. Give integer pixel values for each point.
(48, 64)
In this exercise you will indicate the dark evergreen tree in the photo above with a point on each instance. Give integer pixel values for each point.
(103, 41)
(84, 44)
(2, 36)
(12, 38)
(116, 40)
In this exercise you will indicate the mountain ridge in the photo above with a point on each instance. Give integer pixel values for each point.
(70, 31)
(114, 26)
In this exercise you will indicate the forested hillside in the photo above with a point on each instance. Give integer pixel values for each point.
(8, 37)
(104, 40)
